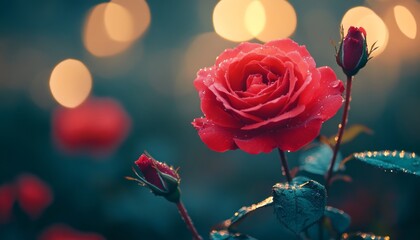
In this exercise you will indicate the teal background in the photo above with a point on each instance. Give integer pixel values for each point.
(92, 195)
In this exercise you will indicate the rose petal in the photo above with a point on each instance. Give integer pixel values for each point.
(205, 77)
(231, 53)
(293, 139)
(236, 101)
(216, 138)
(287, 139)
(287, 115)
(214, 110)
(311, 89)
(328, 96)
(257, 144)
(269, 109)
(287, 45)
(236, 73)
(227, 105)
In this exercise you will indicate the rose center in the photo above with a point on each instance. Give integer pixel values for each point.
(257, 82)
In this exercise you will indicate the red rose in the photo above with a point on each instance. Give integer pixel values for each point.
(99, 125)
(64, 232)
(7, 198)
(260, 97)
(34, 195)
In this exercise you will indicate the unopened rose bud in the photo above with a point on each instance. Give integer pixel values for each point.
(353, 53)
(162, 179)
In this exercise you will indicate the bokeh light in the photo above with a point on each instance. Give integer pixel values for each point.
(405, 21)
(197, 57)
(229, 20)
(70, 83)
(96, 38)
(255, 18)
(281, 20)
(371, 22)
(139, 13)
(118, 22)
(111, 28)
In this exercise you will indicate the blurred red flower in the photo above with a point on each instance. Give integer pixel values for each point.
(7, 198)
(34, 195)
(63, 232)
(260, 97)
(99, 125)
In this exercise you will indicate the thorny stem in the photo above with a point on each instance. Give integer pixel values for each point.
(286, 171)
(340, 131)
(184, 215)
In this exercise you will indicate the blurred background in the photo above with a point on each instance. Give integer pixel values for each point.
(87, 86)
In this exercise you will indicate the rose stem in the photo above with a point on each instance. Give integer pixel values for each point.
(286, 170)
(184, 215)
(340, 131)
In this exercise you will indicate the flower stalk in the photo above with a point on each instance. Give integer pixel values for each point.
(163, 180)
(285, 166)
(184, 215)
(341, 127)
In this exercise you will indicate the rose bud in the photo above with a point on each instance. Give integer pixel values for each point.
(34, 195)
(162, 179)
(353, 53)
(97, 127)
(7, 198)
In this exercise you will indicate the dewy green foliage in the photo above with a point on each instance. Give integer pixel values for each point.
(299, 204)
(340, 220)
(224, 229)
(362, 236)
(226, 235)
(401, 161)
(316, 159)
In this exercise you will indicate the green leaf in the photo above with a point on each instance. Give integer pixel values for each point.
(226, 235)
(242, 213)
(299, 204)
(335, 223)
(317, 158)
(340, 221)
(401, 161)
(362, 236)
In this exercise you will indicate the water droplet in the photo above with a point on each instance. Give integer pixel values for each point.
(334, 84)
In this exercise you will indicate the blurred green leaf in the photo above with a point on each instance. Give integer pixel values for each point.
(351, 133)
(362, 236)
(335, 222)
(340, 221)
(226, 235)
(406, 162)
(317, 158)
(299, 204)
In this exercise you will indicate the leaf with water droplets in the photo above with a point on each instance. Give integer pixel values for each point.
(226, 235)
(242, 213)
(362, 236)
(299, 204)
(340, 220)
(406, 162)
(317, 158)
